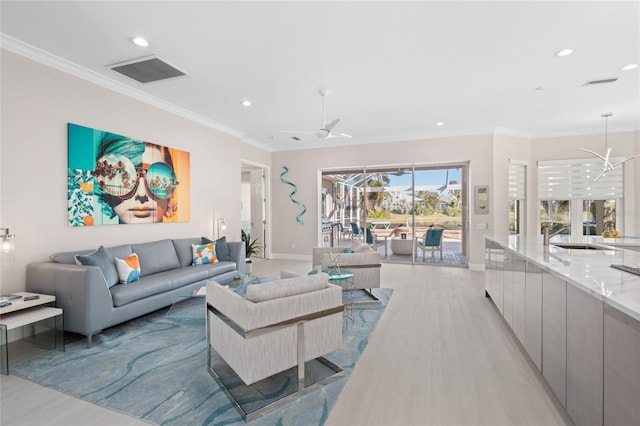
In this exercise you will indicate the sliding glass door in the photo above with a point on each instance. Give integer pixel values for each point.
(391, 208)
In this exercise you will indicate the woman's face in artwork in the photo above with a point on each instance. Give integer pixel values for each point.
(143, 206)
(139, 193)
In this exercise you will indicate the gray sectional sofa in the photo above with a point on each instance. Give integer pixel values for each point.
(92, 300)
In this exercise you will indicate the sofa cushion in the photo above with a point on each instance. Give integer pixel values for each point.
(287, 287)
(215, 269)
(222, 247)
(104, 261)
(128, 269)
(157, 256)
(183, 249)
(161, 282)
(204, 254)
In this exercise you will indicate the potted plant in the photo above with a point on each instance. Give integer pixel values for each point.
(251, 248)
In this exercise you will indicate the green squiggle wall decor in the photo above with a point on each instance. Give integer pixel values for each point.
(285, 170)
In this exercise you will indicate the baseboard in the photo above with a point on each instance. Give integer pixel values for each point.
(289, 256)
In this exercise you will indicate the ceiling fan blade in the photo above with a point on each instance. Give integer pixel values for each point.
(338, 136)
(331, 125)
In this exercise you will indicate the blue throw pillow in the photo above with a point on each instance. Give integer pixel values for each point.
(347, 250)
(101, 258)
(222, 248)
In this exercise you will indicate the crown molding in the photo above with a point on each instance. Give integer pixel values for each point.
(31, 52)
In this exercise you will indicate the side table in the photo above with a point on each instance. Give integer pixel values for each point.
(34, 313)
(344, 279)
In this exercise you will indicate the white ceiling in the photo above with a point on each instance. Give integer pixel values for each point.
(393, 69)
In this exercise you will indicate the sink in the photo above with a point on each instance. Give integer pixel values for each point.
(580, 246)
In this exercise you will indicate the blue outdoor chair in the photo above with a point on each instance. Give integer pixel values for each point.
(375, 242)
(344, 232)
(432, 241)
(355, 230)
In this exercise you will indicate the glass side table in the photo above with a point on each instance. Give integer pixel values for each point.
(344, 279)
(45, 321)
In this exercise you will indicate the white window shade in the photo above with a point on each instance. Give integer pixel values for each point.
(567, 179)
(517, 182)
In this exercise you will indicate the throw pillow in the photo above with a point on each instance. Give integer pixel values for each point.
(128, 269)
(348, 250)
(204, 253)
(100, 258)
(222, 248)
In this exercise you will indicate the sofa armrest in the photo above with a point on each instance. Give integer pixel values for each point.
(80, 291)
(238, 255)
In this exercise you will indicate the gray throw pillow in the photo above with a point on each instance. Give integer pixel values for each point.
(101, 258)
(222, 248)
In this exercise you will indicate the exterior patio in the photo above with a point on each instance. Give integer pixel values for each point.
(452, 253)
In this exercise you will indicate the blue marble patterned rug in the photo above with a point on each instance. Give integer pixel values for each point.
(154, 368)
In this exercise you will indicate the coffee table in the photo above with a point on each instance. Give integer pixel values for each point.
(192, 306)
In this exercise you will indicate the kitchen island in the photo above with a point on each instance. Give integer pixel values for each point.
(577, 318)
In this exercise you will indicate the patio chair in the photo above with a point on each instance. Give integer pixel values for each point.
(432, 241)
(375, 242)
(344, 232)
(356, 231)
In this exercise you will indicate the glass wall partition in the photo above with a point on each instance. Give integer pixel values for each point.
(392, 208)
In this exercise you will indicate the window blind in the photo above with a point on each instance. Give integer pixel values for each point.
(575, 179)
(517, 182)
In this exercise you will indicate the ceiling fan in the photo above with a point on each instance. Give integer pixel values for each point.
(326, 131)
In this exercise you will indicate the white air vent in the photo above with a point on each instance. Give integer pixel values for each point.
(147, 69)
(601, 81)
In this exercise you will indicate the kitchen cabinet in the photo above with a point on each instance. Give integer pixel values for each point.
(518, 290)
(494, 275)
(533, 313)
(507, 287)
(621, 368)
(554, 334)
(585, 318)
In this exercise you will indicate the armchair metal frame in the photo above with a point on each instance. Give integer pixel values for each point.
(233, 386)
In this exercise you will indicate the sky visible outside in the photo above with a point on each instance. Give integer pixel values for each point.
(427, 177)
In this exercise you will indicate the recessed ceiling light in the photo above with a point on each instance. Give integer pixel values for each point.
(140, 41)
(564, 52)
(247, 103)
(439, 123)
(629, 67)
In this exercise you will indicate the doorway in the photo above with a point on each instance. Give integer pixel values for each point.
(254, 199)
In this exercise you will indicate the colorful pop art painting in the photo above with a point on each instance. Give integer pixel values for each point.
(114, 179)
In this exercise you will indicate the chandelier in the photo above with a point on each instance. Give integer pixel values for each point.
(607, 165)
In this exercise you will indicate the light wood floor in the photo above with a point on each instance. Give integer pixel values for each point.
(440, 355)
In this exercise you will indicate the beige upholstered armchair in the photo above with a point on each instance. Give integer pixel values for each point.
(279, 325)
(363, 262)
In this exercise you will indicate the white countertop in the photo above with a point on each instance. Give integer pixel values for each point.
(589, 270)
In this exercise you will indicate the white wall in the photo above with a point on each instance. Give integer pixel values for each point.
(37, 104)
